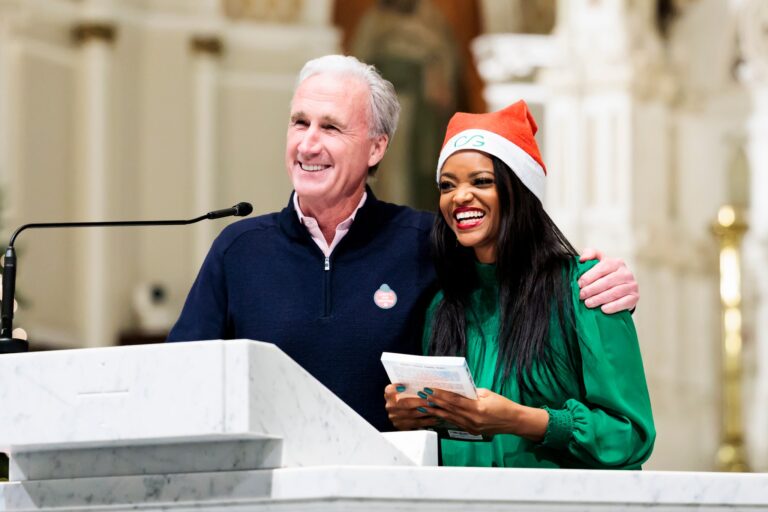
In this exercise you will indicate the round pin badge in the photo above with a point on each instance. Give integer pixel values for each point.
(385, 297)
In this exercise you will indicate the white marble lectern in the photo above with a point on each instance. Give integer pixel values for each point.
(237, 425)
(175, 408)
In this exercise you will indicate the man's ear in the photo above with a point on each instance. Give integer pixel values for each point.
(378, 148)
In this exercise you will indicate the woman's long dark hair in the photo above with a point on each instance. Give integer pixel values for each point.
(533, 264)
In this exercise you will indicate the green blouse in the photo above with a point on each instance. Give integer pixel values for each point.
(600, 414)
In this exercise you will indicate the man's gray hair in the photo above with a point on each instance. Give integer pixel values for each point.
(385, 109)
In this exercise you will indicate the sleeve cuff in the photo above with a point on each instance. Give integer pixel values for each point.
(559, 428)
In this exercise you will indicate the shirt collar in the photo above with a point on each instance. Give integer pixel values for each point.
(311, 221)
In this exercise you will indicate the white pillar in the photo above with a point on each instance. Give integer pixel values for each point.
(9, 114)
(95, 41)
(752, 16)
(605, 124)
(206, 69)
(610, 160)
(5, 86)
(756, 251)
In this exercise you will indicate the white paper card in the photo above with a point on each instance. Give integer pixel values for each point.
(435, 372)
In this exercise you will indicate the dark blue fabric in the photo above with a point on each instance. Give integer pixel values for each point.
(264, 279)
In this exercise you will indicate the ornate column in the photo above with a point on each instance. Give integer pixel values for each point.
(206, 50)
(752, 18)
(609, 149)
(606, 119)
(509, 64)
(95, 40)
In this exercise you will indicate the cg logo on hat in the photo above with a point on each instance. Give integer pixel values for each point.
(385, 297)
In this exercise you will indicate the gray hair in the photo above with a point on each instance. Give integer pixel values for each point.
(385, 109)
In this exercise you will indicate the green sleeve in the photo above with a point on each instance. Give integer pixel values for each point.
(427, 332)
(612, 427)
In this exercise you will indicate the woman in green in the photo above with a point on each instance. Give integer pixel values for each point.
(560, 385)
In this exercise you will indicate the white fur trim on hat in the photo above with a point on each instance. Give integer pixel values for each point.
(527, 169)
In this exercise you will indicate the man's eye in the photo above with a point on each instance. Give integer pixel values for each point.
(330, 127)
(444, 186)
(299, 122)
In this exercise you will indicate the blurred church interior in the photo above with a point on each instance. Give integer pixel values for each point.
(651, 114)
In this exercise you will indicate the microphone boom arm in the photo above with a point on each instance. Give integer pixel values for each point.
(8, 343)
(124, 223)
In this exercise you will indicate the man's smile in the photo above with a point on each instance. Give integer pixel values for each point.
(313, 167)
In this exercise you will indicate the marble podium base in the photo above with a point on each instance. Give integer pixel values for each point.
(376, 488)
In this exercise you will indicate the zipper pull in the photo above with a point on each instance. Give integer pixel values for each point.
(327, 265)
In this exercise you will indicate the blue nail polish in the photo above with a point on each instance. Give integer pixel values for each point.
(422, 395)
(400, 388)
(431, 404)
(428, 391)
(421, 410)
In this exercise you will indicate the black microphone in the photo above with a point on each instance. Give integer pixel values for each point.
(239, 210)
(9, 344)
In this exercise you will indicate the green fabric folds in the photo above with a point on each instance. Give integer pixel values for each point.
(595, 393)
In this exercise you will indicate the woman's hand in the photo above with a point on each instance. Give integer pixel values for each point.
(406, 413)
(491, 413)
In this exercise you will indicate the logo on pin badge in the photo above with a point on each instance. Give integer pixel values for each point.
(385, 297)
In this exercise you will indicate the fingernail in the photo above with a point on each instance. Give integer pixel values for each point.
(431, 404)
(582, 295)
(589, 303)
(400, 388)
(422, 395)
(428, 391)
(421, 410)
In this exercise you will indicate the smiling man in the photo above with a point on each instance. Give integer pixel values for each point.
(337, 277)
(329, 147)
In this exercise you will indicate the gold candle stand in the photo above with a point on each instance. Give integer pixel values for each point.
(729, 229)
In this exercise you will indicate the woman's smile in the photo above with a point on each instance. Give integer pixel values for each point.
(468, 217)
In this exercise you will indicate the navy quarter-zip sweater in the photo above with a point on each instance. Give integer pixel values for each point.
(265, 279)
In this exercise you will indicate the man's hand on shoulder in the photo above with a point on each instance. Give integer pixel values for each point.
(609, 284)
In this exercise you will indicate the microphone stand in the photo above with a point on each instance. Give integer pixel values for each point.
(9, 344)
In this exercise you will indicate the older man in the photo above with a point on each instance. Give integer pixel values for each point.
(337, 277)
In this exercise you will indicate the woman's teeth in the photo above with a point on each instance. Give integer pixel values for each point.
(469, 219)
(469, 215)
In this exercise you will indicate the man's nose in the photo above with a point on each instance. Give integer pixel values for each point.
(310, 142)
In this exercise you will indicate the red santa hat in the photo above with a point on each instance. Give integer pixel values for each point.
(507, 134)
